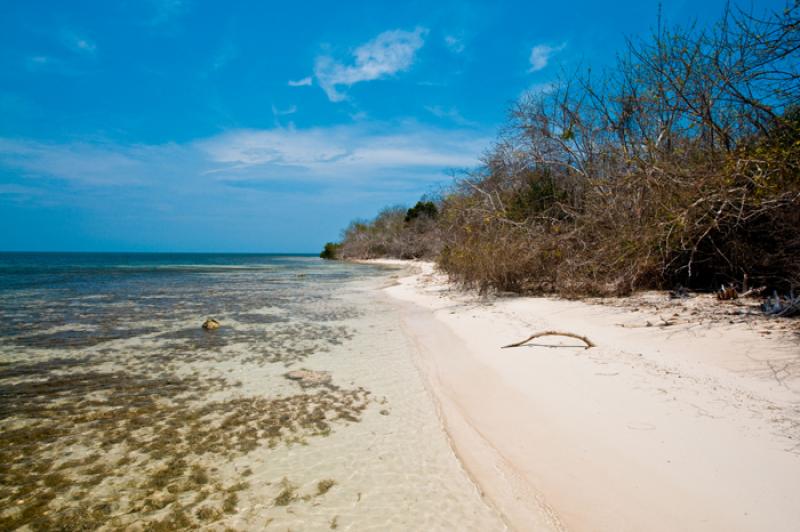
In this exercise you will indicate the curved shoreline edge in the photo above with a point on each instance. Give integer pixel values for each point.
(494, 475)
(674, 428)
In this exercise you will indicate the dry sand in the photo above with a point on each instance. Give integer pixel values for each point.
(693, 425)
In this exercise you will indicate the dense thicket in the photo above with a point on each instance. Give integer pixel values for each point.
(395, 232)
(679, 165)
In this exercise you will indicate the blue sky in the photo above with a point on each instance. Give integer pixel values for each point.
(197, 125)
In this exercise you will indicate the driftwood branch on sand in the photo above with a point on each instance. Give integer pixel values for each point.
(585, 340)
(782, 306)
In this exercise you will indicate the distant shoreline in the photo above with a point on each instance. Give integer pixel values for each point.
(675, 421)
(229, 253)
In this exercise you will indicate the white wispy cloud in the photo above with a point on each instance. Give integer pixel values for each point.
(78, 42)
(360, 154)
(283, 112)
(305, 82)
(60, 63)
(85, 45)
(541, 55)
(82, 163)
(387, 54)
(297, 186)
(39, 61)
(49, 64)
(355, 151)
(454, 43)
(429, 83)
(450, 113)
(224, 55)
(165, 10)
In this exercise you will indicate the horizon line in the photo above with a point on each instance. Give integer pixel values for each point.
(297, 253)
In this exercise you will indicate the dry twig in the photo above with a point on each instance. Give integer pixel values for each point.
(588, 342)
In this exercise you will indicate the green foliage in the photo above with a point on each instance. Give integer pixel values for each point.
(538, 194)
(331, 251)
(422, 209)
(395, 232)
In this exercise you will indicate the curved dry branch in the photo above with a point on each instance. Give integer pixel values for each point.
(588, 342)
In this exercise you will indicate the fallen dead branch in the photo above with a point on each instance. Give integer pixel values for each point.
(753, 292)
(588, 342)
(782, 305)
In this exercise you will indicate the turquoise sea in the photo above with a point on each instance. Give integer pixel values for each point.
(119, 411)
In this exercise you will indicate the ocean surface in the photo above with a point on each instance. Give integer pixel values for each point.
(119, 411)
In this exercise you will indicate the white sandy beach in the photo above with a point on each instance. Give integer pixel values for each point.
(681, 424)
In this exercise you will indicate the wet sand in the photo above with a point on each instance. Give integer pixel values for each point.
(156, 424)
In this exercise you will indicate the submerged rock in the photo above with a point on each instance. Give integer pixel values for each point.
(307, 377)
(210, 324)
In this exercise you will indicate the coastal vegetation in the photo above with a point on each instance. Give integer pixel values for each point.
(330, 251)
(678, 165)
(394, 232)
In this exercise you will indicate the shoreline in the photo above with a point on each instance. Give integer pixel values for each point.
(673, 427)
(302, 410)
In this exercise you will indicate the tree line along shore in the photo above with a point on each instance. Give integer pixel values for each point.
(677, 166)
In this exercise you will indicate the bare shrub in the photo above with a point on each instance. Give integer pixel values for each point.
(679, 165)
(395, 232)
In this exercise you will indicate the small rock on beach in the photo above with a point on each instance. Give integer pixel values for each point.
(210, 324)
(308, 377)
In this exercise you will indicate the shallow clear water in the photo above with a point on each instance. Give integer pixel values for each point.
(118, 410)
